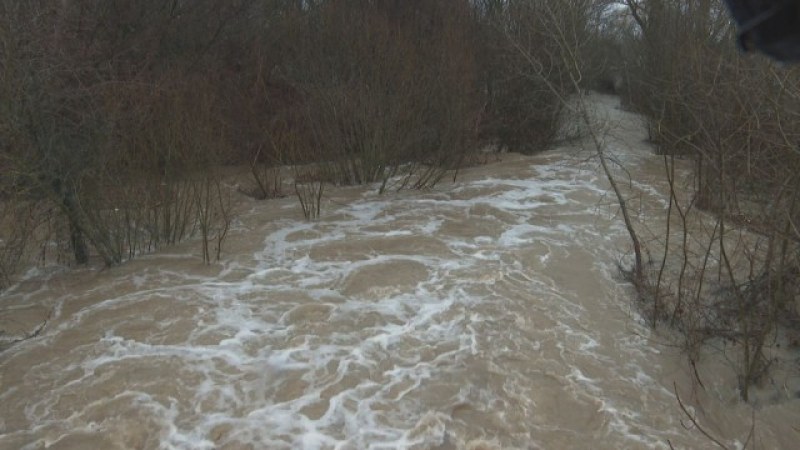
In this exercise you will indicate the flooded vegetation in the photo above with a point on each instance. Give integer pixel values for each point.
(485, 313)
(416, 224)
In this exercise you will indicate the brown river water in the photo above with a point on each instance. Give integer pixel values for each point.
(483, 314)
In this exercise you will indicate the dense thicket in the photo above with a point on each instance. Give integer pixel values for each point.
(737, 119)
(116, 115)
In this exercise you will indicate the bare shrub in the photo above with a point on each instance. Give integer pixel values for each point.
(567, 25)
(389, 97)
(110, 144)
(267, 176)
(213, 209)
(735, 278)
(309, 188)
(523, 112)
(109, 110)
(16, 223)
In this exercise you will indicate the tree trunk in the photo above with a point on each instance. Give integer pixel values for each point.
(76, 236)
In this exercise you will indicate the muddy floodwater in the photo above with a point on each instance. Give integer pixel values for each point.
(487, 313)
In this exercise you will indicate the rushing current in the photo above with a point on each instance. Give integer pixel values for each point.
(487, 313)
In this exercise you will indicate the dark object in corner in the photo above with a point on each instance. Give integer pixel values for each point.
(769, 26)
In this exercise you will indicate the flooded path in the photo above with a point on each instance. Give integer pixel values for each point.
(486, 313)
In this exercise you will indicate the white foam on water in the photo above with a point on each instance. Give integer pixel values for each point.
(288, 350)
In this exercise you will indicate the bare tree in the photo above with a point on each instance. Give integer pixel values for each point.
(687, 77)
(565, 26)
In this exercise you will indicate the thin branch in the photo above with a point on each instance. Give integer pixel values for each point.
(694, 422)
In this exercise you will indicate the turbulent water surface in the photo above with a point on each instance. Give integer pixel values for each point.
(486, 313)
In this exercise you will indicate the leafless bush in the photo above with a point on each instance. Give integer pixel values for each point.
(735, 277)
(523, 113)
(267, 176)
(213, 209)
(391, 97)
(693, 421)
(309, 189)
(110, 109)
(14, 237)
